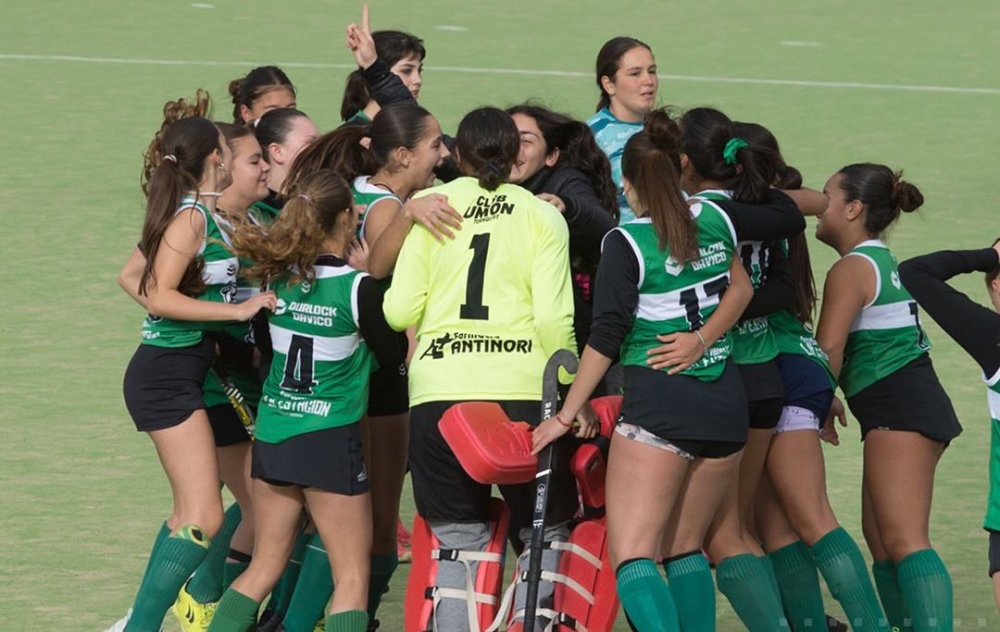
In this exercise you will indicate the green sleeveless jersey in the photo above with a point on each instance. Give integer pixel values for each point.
(680, 298)
(992, 520)
(246, 378)
(753, 341)
(886, 335)
(365, 196)
(265, 211)
(321, 366)
(219, 274)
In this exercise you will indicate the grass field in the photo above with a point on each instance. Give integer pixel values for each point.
(914, 84)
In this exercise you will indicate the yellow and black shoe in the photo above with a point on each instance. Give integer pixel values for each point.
(193, 616)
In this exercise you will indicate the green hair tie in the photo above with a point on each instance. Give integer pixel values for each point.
(734, 145)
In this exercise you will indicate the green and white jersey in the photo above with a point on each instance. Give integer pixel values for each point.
(886, 335)
(680, 298)
(219, 274)
(320, 371)
(794, 337)
(753, 341)
(992, 520)
(366, 195)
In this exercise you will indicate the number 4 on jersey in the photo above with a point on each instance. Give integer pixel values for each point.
(299, 366)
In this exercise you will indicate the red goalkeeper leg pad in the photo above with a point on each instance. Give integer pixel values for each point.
(492, 449)
(422, 592)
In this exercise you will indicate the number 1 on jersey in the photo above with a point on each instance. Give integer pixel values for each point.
(473, 308)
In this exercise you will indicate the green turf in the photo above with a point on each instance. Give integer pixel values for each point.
(81, 494)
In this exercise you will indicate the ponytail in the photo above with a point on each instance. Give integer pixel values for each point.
(356, 96)
(289, 247)
(487, 142)
(651, 163)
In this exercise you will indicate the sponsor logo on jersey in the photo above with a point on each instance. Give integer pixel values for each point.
(896, 283)
(298, 406)
(488, 208)
(710, 255)
(672, 266)
(475, 343)
(308, 313)
(306, 286)
(228, 292)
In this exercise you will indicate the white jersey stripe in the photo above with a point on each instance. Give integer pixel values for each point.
(994, 402)
(891, 316)
(220, 272)
(325, 348)
(668, 305)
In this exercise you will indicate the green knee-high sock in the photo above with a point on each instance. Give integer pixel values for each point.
(689, 579)
(798, 583)
(206, 584)
(771, 577)
(236, 563)
(927, 590)
(175, 560)
(160, 537)
(744, 580)
(312, 591)
(281, 596)
(884, 572)
(645, 596)
(839, 559)
(350, 621)
(235, 613)
(383, 566)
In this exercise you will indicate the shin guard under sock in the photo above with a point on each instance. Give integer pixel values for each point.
(312, 590)
(744, 580)
(178, 556)
(206, 585)
(645, 596)
(161, 535)
(884, 572)
(798, 583)
(382, 568)
(839, 559)
(689, 579)
(235, 613)
(281, 596)
(927, 591)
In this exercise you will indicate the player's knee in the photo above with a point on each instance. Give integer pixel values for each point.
(900, 544)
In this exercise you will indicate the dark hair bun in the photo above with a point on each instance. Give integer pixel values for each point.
(663, 131)
(234, 90)
(905, 196)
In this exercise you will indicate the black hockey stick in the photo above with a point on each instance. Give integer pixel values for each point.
(550, 399)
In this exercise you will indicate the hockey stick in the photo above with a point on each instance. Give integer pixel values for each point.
(550, 400)
(235, 398)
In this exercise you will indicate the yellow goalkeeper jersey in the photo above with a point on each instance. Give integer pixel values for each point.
(491, 305)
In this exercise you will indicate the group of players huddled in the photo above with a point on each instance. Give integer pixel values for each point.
(320, 291)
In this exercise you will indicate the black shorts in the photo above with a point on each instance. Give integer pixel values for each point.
(994, 552)
(226, 425)
(910, 399)
(806, 384)
(681, 407)
(329, 459)
(444, 492)
(163, 386)
(388, 392)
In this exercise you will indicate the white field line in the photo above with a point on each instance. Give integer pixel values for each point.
(512, 71)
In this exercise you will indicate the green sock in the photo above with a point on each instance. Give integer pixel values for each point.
(884, 572)
(744, 580)
(689, 579)
(645, 596)
(771, 577)
(798, 584)
(282, 593)
(926, 586)
(383, 566)
(174, 562)
(206, 584)
(160, 537)
(839, 559)
(312, 591)
(350, 621)
(235, 613)
(237, 562)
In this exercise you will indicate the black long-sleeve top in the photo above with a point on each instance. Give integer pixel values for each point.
(974, 327)
(617, 285)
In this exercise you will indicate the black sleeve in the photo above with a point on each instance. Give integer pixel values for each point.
(974, 327)
(385, 86)
(777, 219)
(778, 290)
(587, 220)
(616, 295)
(388, 346)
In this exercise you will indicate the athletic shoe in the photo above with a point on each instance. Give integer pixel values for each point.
(403, 538)
(193, 616)
(373, 625)
(122, 623)
(271, 624)
(832, 625)
(320, 625)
